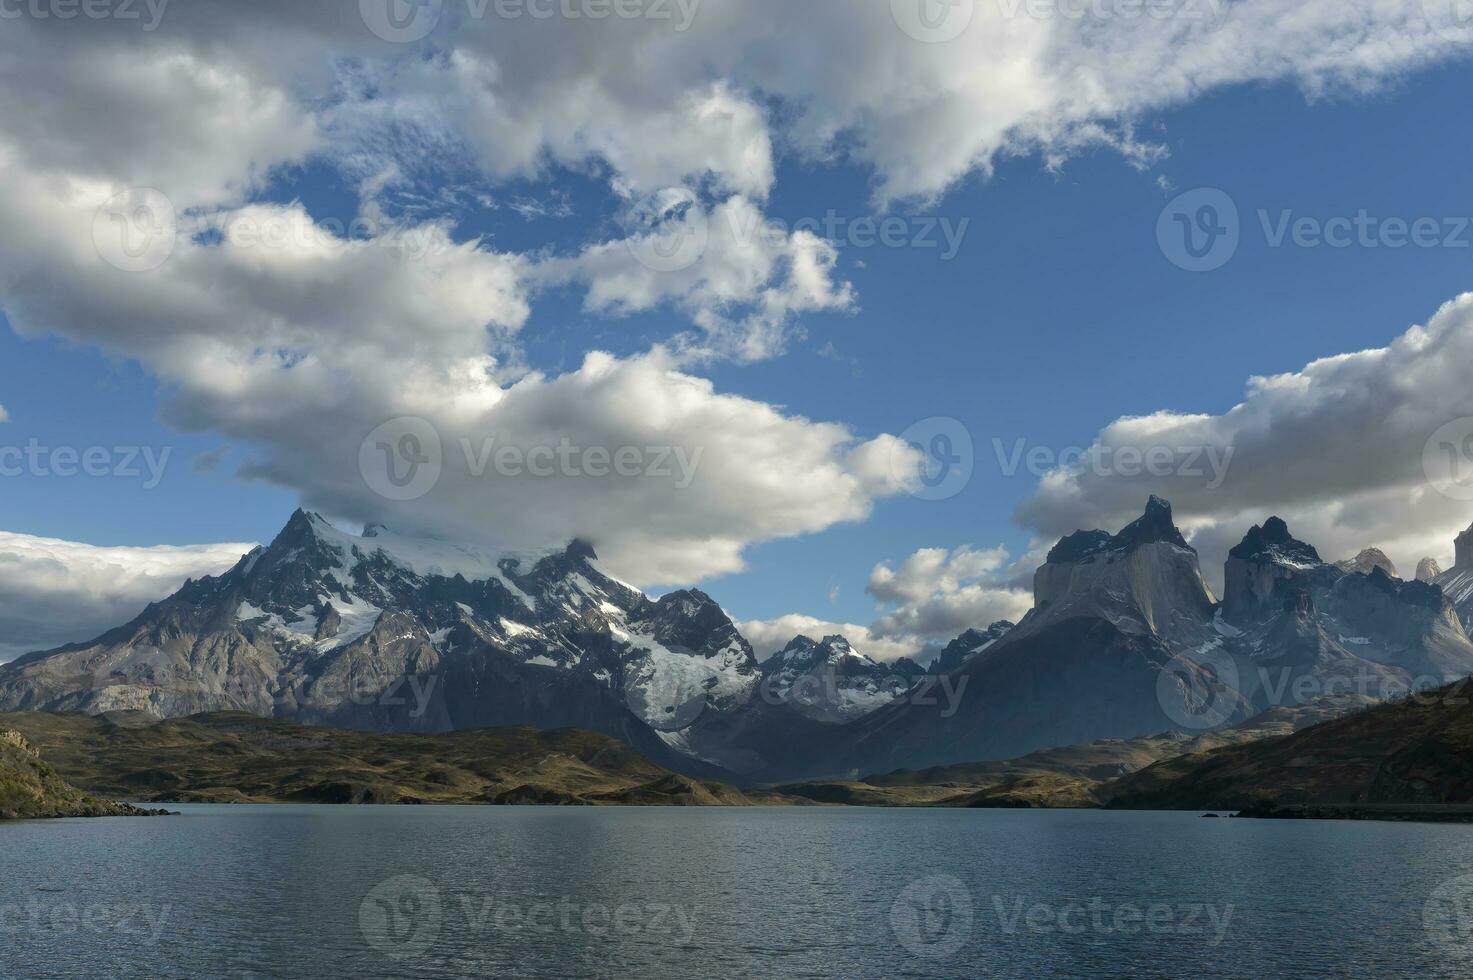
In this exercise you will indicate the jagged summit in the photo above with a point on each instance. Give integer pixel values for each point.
(1272, 541)
(973, 641)
(1153, 526)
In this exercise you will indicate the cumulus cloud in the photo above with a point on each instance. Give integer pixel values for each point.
(740, 277)
(1341, 449)
(933, 596)
(57, 592)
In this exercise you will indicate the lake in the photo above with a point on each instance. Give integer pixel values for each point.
(432, 892)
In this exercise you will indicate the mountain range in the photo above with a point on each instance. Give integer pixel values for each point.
(390, 633)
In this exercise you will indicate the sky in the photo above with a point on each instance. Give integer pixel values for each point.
(247, 257)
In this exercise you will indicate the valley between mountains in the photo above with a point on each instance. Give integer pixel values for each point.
(1127, 659)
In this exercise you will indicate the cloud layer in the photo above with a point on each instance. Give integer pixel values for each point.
(58, 592)
(138, 163)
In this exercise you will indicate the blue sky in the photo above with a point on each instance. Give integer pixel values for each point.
(1058, 315)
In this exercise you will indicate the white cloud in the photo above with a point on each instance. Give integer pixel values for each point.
(1337, 449)
(754, 473)
(739, 276)
(934, 596)
(4, 415)
(57, 592)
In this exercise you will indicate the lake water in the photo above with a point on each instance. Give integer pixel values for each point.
(324, 892)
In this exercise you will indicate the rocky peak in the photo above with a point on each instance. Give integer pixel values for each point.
(1368, 560)
(1428, 569)
(1152, 527)
(1273, 542)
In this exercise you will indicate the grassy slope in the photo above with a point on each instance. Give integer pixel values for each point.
(242, 758)
(1411, 752)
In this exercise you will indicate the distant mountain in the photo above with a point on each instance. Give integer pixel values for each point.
(1126, 640)
(1367, 561)
(829, 681)
(970, 643)
(1428, 569)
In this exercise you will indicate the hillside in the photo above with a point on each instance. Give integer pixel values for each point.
(30, 787)
(1417, 751)
(240, 758)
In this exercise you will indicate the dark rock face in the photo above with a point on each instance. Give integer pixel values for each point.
(1463, 549)
(1265, 567)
